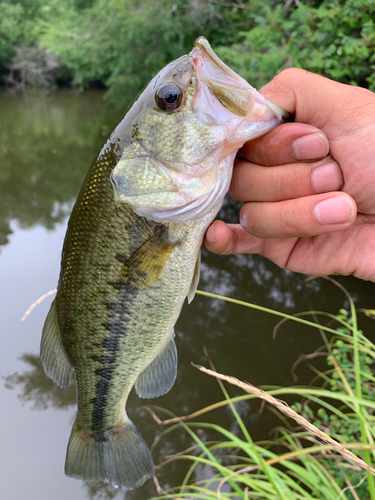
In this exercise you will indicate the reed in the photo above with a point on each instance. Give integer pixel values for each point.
(329, 455)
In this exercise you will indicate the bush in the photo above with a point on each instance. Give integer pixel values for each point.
(335, 38)
(295, 464)
(123, 43)
(32, 67)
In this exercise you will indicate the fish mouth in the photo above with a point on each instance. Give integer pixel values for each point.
(205, 46)
(233, 92)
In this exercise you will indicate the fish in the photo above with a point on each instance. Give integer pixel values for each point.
(131, 253)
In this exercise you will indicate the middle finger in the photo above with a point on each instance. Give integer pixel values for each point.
(251, 182)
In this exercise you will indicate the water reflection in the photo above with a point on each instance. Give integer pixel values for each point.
(33, 386)
(99, 491)
(46, 147)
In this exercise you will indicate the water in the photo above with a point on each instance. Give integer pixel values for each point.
(47, 144)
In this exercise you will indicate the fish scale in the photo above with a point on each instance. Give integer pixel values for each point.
(131, 253)
(198, 138)
(101, 404)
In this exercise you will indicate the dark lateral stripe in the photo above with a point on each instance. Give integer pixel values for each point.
(117, 329)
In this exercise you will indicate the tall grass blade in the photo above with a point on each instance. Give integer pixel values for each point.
(284, 408)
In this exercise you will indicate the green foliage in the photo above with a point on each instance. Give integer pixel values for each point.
(10, 32)
(231, 464)
(123, 43)
(39, 136)
(334, 38)
(340, 379)
(22, 23)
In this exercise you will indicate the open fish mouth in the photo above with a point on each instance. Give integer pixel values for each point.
(230, 89)
(188, 125)
(234, 93)
(124, 279)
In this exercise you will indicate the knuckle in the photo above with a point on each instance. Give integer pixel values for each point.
(287, 72)
(283, 219)
(295, 220)
(282, 80)
(226, 248)
(293, 182)
(288, 180)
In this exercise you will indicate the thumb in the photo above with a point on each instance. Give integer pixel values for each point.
(316, 100)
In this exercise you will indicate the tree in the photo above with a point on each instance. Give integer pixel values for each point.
(123, 43)
(334, 38)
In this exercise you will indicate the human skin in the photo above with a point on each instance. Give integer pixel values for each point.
(308, 187)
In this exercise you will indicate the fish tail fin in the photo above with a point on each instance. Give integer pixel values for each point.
(119, 457)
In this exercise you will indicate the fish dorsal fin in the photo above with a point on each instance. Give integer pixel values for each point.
(158, 378)
(195, 280)
(145, 265)
(52, 352)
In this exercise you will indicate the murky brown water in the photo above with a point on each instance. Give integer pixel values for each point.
(47, 144)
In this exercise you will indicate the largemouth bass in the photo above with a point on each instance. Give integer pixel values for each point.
(132, 253)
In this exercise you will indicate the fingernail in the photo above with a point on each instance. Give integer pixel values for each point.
(310, 147)
(243, 219)
(210, 235)
(337, 210)
(327, 177)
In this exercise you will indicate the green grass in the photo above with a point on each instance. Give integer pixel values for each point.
(335, 418)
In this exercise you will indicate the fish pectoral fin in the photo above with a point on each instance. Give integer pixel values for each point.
(145, 265)
(52, 352)
(158, 378)
(195, 280)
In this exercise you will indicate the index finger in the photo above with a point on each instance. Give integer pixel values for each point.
(319, 101)
(287, 143)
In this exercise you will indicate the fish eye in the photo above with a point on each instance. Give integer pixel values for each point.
(168, 96)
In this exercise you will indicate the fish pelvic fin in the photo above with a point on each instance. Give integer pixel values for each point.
(119, 456)
(158, 378)
(146, 264)
(52, 352)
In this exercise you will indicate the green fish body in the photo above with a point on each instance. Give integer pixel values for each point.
(132, 254)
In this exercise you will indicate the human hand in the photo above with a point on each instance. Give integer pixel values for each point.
(309, 217)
